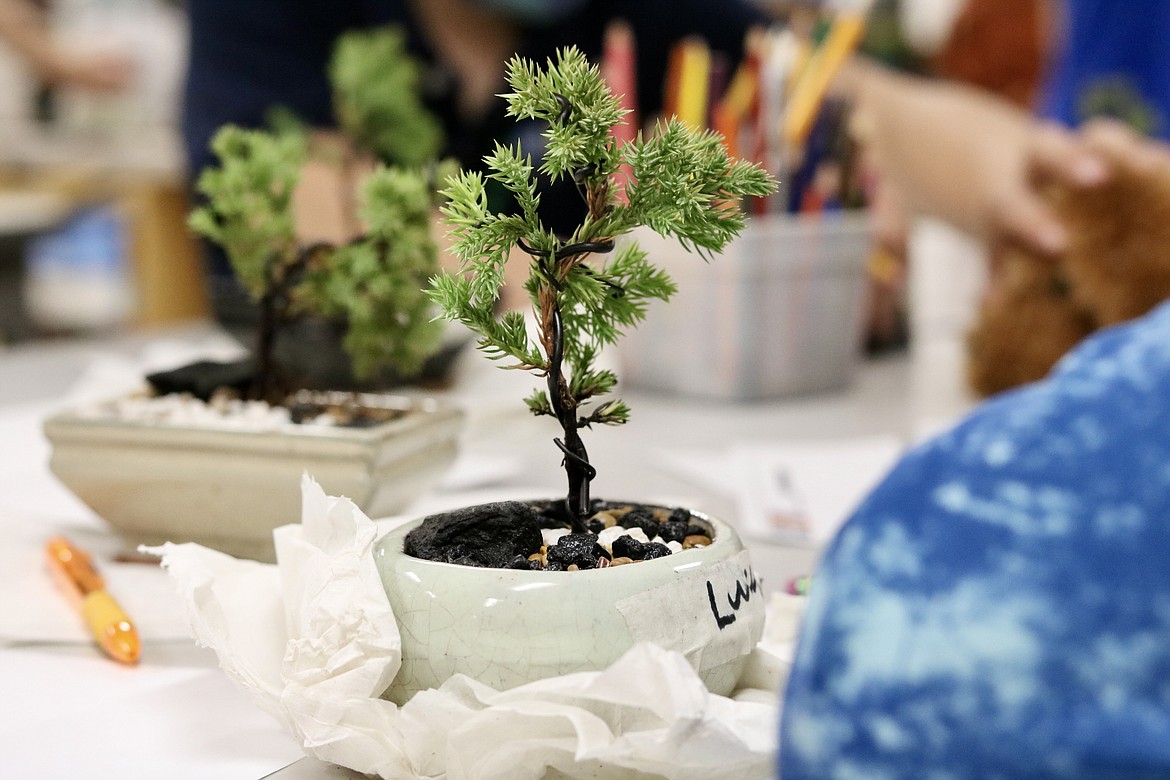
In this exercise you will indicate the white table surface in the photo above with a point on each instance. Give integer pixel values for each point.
(69, 712)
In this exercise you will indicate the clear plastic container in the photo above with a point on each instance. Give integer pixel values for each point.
(777, 314)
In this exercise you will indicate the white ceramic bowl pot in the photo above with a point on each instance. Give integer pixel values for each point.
(507, 627)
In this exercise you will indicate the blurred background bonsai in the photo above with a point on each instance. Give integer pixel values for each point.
(329, 235)
(372, 283)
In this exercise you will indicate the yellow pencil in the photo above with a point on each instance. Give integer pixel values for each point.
(694, 78)
(842, 40)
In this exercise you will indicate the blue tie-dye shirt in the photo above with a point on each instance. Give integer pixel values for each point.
(1000, 606)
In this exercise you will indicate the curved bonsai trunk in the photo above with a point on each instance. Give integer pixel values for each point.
(564, 407)
(263, 383)
(274, 312)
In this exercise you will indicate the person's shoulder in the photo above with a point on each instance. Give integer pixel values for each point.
(972, 588)
(1120, 374)
(1101, 412)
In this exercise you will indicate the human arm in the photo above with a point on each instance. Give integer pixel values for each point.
(972, 159)
(24, 29)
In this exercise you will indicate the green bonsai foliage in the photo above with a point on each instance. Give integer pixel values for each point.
(376, 98)
(684, 185)
(377, 282)
(250, 214)
(373, 283)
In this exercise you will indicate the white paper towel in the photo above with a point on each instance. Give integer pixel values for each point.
(315, 641)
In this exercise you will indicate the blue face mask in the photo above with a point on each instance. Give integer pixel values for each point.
(534, 11)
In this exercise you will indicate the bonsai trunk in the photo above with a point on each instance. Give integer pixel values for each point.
(564, 407)
(274, 312)
(263, 385)
(556, 268)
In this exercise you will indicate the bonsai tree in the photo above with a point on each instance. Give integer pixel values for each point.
(374, 283)
(583, 292)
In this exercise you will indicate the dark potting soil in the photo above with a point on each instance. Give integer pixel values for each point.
(203, 378)
(507, 535)
(207, 378)
(488, 535)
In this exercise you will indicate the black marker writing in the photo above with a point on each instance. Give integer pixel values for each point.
(745, 587)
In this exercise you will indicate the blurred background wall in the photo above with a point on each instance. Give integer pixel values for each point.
(92, 187)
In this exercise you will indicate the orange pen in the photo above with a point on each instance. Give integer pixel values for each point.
(84, 587)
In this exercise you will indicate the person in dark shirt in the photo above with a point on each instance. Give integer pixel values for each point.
(249, 57)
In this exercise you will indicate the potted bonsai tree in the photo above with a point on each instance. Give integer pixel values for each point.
(225, 473)
(518, 622)
(373, 282)
(313, 195)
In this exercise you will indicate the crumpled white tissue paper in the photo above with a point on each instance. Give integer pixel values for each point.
(314, 640)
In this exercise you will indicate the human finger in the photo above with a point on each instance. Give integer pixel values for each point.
(1056, 155)
(1123, 145)
(1026, 220)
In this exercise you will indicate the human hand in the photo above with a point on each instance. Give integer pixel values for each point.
(951, 152)
(978, 162)
(1080, 160)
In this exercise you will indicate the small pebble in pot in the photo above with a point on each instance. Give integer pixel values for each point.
(679, 515)
(603, 563)
(576, 549)
(696, 540)
(629, 547)
(551, 535)
(694, 529)
(572, 567)
(606, 537)
(621, 561)
(638, 533)
(606, 518)
(595, 526)
(640, 518)
(655, 550)
(554, 566)
(673, 530)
